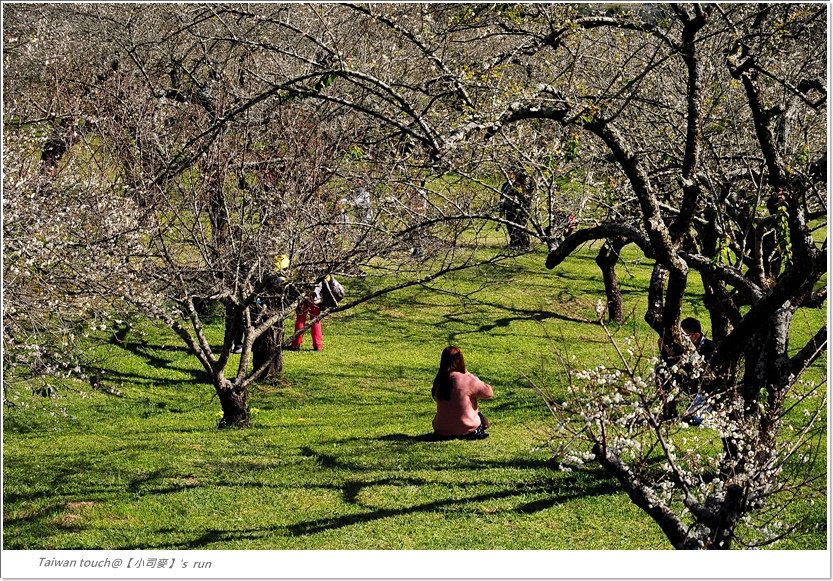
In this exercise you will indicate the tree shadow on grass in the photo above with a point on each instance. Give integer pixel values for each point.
(157, 482)
(380, 319)
(42, 514)
(149, 355)
(516, 315)
(217, 536)
(428, 437)
(538, 315)
(323, 460)
(571, 489)
(548, 492)
(558, 489)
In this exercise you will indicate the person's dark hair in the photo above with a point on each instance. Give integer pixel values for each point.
(691, 325)
(450, 360)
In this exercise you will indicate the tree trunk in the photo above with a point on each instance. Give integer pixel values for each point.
(515, 206)
(233, 326)
(722, 307)
(727, 518)
(235, 403)
(607, 258)
(269, 348)
(518, 236)
(645, 498)
(656, 288)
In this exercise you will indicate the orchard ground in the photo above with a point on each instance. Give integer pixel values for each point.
(338, 457)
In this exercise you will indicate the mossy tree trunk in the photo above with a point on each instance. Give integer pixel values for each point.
(234, 401)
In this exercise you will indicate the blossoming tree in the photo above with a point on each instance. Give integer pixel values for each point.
(714, 120)
(181, 155)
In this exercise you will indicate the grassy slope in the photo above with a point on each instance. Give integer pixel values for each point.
(337, 459)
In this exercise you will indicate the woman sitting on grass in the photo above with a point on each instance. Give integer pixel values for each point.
(456, 392)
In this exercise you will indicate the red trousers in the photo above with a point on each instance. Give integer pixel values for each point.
(311, 309)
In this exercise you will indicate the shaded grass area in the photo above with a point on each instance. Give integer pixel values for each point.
(339, 457)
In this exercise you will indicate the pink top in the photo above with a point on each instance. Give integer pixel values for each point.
(458, 416)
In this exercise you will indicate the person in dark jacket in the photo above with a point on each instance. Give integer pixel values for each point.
(705, 347)
(694, 330)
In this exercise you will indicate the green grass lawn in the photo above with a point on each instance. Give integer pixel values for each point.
(337, 458)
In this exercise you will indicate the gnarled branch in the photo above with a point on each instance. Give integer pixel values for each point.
(557, 254)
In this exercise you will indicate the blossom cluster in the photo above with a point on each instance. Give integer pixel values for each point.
(620, 413)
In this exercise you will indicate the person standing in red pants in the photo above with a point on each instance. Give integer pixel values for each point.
(326, 294)
(308, 307)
